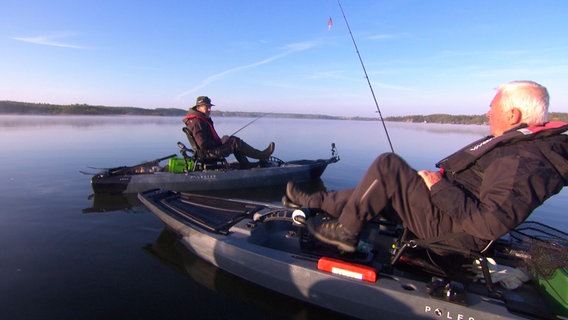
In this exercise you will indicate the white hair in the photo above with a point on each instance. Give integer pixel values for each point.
(529, 97)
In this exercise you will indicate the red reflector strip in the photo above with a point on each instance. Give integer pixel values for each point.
(347, 269)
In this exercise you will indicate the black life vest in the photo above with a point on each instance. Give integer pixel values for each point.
(469, 154)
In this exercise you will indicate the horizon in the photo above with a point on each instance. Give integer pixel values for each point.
(236, 111)
(274, 112)
(259, 56)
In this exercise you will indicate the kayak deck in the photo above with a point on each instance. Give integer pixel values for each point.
(260, 243)
(271, 174)
(192, 174)
(209, 214)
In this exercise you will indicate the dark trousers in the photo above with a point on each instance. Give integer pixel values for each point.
(229, 145)
(391, 189)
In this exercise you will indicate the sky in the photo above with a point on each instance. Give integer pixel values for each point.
(420, 56)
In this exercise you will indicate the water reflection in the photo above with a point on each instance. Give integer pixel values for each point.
(114, 202)
(130, 203)
(271, 194)
(235, 293)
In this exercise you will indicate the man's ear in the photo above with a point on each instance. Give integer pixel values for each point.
(515, 117)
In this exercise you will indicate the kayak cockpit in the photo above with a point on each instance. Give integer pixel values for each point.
(243, 236)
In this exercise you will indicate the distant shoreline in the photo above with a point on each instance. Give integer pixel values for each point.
(26, 108)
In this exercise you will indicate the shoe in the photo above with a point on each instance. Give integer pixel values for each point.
(265, 154)
(248, 151)
(330, 231)
(295, 197)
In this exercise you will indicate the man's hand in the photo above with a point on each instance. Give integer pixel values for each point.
(430, 177)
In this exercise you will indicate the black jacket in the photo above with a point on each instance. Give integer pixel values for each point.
(202, 130)
(493, 185)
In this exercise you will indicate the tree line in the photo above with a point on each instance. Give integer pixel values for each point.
(27, 108)
(463, 119)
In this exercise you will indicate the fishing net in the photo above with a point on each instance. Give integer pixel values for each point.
(546, 248)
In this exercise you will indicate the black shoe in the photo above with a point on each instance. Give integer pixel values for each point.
(266, 153)
(294, 197)
(330, 231)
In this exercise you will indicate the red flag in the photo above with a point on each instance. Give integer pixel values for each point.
(329, 24)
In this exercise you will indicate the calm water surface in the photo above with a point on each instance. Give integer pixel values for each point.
(67, 254)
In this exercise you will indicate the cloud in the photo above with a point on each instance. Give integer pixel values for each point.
(388, 36)
(49, 40)
(288, 49)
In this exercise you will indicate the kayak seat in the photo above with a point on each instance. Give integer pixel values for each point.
(202, 160)
(436, 257)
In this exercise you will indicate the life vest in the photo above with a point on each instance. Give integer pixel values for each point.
(208, 121)
(469, 154)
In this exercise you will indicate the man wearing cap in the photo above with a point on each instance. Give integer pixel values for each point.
(200, 125)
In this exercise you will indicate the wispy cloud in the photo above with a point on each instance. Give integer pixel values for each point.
(492, 53)
(288, 49)
(388, 36)
(50, 40)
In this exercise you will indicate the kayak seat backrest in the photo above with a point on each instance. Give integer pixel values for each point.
(202, 159)
(438, 247)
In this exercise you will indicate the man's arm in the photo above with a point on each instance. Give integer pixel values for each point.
(512, 187)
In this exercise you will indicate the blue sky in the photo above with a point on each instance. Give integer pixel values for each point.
(422, 56)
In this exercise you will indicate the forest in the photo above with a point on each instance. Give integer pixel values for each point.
(26, 108)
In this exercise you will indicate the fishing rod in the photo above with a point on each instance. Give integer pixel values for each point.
(248, 124)
(366, 76)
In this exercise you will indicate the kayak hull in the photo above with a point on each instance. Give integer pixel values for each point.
(270, 254)
(298, 171)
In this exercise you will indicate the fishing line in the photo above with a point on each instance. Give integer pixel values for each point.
(248, 124)
(366, 76)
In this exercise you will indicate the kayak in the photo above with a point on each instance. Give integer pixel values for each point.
(177, 175)
(241, 297)
(268, 245)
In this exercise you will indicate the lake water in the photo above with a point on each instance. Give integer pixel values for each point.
(67, 254)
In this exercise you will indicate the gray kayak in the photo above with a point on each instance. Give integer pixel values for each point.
(267, 244)
(226, 176)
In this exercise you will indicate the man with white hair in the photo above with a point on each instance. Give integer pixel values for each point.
(480, 193)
